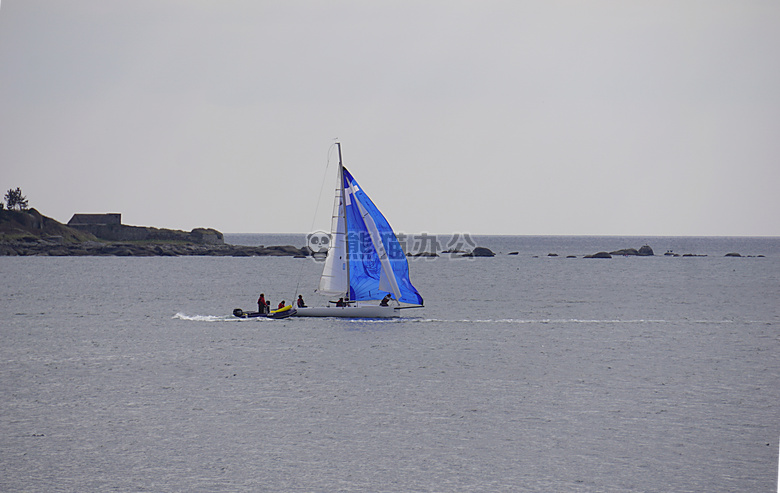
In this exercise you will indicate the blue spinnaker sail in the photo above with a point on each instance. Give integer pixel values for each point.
(377, 263)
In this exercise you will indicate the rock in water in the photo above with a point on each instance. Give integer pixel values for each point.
(625, 251)
(483, 252)
(646, 251)
(480, 252)
(599, 255)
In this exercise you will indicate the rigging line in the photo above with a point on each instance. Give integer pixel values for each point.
(314, 219)
(322, 187)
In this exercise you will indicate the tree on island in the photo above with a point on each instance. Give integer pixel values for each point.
(15, 200)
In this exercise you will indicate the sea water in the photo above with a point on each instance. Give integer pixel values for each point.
(524, 372)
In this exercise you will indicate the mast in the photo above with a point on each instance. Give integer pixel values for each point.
(344, 215)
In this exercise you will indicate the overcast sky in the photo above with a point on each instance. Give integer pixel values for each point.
(519, 117)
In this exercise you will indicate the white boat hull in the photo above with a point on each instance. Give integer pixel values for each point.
(364, 311)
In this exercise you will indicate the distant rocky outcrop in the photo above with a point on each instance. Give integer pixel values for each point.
(480, 252)
(625, 252)
(24, 233)
(423, 254)
(120, 249)
(644, 251)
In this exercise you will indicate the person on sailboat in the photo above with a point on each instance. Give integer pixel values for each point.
(261, 303)
(385, 300)
(301, 303)
(340, 302)
(281, 305)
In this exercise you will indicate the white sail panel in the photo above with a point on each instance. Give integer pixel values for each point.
(335, 274)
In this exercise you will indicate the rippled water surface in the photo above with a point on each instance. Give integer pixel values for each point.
(523, 373)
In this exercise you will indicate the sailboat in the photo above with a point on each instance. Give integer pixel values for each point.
(365, 262)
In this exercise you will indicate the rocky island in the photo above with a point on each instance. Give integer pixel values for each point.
(28, 232)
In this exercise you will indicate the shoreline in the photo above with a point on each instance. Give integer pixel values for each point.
(42, 248)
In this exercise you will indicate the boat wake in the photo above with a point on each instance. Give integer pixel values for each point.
(574, 321)
(207, 318)
(537, 321)
(518, 321)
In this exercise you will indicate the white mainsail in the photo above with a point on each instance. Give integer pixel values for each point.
(335, 273)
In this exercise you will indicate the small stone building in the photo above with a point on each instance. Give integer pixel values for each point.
(110, 218)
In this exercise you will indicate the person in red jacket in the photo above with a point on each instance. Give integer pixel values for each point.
(261, 303)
